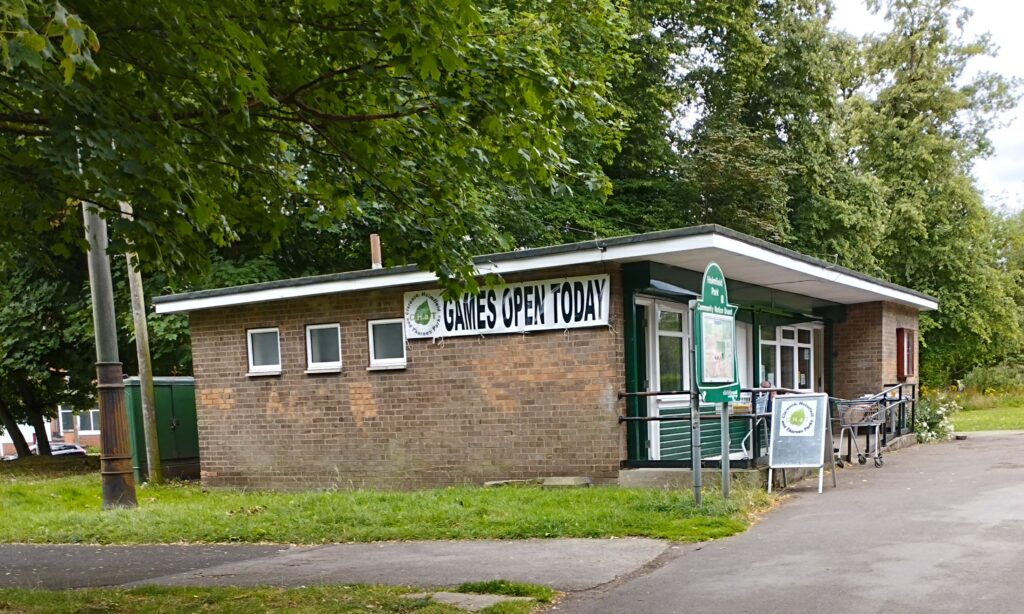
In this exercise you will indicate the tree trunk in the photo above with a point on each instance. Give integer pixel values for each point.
(11, 426)
(35, 417)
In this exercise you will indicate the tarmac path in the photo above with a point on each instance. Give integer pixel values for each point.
(939, 528)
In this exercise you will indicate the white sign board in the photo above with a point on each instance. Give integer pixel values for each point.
(800, 427)
(798, 430)
(551, 304)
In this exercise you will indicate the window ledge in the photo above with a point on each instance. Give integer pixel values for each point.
(263, 373)
(320, 370)
(385, 367)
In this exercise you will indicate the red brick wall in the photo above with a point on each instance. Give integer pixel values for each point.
(865, 347)
(466, 409)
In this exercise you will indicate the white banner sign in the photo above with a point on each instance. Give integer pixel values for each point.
(552, 304)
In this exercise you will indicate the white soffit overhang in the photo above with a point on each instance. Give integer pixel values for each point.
(740, 260)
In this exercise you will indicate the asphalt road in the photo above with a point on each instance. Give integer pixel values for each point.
(939, 528)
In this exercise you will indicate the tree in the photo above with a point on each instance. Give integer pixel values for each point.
(219, 119)
(44, 362)
(920, 124)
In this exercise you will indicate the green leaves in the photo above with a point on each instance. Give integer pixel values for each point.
(220, 120)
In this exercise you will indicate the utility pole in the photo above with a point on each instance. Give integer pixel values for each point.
(153, 465)
(115, 447)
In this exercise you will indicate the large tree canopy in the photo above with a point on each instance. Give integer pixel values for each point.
(218, 119)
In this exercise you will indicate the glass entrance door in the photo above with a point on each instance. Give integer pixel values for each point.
(668, 370)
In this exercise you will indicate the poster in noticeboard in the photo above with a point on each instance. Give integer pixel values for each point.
(718, 343)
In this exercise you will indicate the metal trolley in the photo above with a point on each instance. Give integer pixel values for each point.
(856, 414)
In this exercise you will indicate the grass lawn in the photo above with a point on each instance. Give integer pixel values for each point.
(998, 418)
(39, 509)
(239, 600)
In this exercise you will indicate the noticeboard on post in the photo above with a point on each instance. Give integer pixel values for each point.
(799, 423)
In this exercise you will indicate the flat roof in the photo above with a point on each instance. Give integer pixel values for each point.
(742, 257)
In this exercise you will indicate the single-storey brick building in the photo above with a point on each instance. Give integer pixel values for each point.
(371, 378)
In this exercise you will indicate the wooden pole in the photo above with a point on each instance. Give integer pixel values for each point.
(154, 466)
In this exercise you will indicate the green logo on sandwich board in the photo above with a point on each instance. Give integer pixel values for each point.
(797, 418)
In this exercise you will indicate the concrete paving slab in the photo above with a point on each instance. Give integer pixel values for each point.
(74, 566)
(565, 564)
(467, 601)
(938, 529)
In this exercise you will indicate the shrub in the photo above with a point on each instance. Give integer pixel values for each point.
(932, 418)
(1004, 377)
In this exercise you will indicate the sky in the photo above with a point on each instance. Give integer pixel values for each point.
(1001, 176)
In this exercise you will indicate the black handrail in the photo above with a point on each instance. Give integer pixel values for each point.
(658, 393)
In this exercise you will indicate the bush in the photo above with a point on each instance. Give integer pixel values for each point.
(1004, 377)
(932, 418)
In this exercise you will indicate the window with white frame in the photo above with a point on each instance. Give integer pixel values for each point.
(787, 356)
(88, 421)
(323, 347)
(264, 351)
(672, 364)
(387, 343)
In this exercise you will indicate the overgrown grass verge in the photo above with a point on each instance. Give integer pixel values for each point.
(973, 400)
(67, 510)
(383, 599)
(542, 594)
(49, 467)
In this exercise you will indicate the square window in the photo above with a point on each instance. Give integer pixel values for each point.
(387, 344)
(788, 333)
(803, 335)
(264, 351)
(89, 421)
(323, 347)
(768, 333)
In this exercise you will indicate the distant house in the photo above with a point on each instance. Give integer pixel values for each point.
(61, 429)
(373, 378)
(83, 428)
(29, 433)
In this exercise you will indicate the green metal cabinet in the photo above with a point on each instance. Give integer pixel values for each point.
(176, 426)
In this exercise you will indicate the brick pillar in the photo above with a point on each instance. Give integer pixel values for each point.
(865, 347)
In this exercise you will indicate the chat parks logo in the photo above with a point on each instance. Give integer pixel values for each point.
(423, 313)
(797, 419)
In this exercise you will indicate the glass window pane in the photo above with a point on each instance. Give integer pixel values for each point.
(387, 341)
(803, 336)
(767, 333)
(786, 358)
(67, 421)
(670, 363)
(264, 349)
(803, 367)
(768, 371)
(95, 415)
(788, 333)
(670, 321)
(324, 344)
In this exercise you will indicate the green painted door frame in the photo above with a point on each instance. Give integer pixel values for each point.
(635, 277)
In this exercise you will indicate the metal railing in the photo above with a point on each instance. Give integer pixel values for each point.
(753, 432)
(898, 400)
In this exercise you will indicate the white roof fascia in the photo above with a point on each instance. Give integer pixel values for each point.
(823, 273)
(623, 252)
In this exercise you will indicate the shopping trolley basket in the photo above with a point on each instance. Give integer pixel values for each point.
(853, 415)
